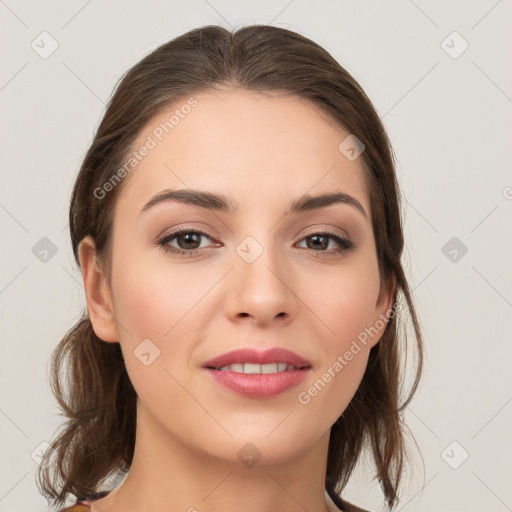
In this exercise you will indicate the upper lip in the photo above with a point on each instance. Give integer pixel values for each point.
(252, 355)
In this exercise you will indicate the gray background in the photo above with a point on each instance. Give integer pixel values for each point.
(448, 117)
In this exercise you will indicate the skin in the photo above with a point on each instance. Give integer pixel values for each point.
(263, 151)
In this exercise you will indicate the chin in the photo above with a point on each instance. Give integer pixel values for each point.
(265, 446)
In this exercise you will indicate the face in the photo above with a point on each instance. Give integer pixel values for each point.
(257, 277)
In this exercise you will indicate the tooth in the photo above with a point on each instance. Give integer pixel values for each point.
(269, 368)
(252, 368)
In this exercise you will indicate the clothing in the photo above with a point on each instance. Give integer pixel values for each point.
(76, 508)
(340, 504)
(83, 505)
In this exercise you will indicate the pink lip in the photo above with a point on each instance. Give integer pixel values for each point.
(257, 385)
(251, 355)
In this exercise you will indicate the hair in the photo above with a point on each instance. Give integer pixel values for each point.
(88, 376)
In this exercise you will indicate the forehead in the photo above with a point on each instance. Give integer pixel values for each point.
(254, 145)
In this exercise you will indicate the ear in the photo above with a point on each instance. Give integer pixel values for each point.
(382, 310)
(99, 302)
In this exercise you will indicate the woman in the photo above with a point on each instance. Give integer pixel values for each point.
(237, 224)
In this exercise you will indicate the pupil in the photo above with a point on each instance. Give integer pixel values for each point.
(316, 245)
(187, 237)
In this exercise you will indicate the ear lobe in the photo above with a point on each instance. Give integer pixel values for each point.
(386, 296)
(99, 303)
(383, 309)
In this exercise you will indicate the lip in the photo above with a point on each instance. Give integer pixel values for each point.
(258, 385)
(251, 355)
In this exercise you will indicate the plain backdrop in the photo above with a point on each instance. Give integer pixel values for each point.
(440, 76)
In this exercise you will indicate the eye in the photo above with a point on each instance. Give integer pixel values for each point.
(189, 242)
(319, 241)
(189, 239)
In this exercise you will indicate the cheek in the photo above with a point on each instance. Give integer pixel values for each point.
(347, 313)
(154, 301)
(346, 304)
(162, 306)
(155, 311)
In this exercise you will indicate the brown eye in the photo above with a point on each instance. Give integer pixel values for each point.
(319, 242)
(187, 240)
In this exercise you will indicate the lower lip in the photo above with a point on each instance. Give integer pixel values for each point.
(259, 385)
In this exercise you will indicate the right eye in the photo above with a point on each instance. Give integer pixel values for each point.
(183, 237)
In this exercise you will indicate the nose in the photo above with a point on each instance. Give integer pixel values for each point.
(261, 291)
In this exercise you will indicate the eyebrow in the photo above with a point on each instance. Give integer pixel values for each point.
(219, 202)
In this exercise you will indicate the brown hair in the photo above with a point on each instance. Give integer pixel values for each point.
(89, 379)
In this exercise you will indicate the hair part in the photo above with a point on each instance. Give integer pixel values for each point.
(89, 378)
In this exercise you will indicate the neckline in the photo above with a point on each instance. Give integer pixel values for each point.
(86, 501)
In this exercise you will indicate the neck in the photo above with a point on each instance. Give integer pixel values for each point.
(166, 474)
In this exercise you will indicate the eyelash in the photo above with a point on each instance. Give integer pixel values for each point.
(346, 245)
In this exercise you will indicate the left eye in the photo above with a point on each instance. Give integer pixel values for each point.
(315, 242)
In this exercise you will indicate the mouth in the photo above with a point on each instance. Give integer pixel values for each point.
(250, 361)
(251, 368)
(255, 374)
